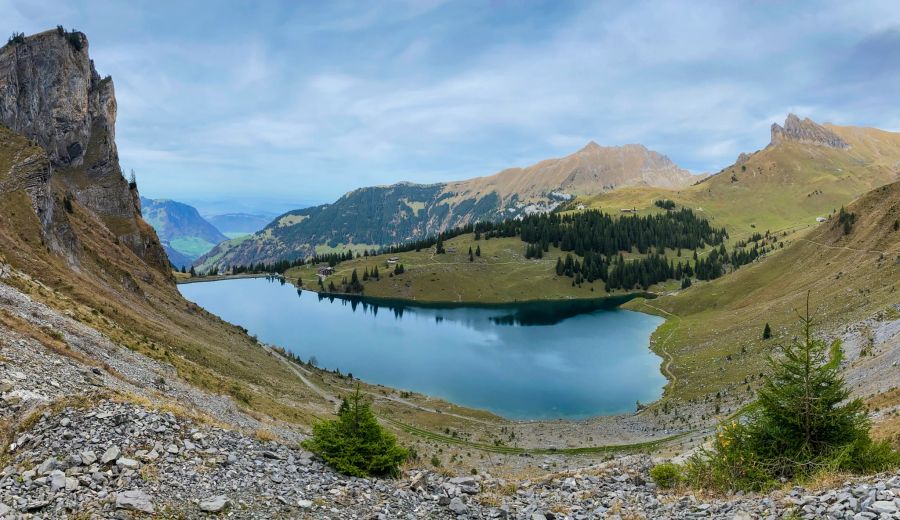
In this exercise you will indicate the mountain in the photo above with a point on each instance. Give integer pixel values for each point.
(51, 93)
(236, 224)
(85, 280)
(374, 216)
(185, 235)
(807, 170)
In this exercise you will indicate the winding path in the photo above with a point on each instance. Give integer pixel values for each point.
(662, 345)
(843, 247)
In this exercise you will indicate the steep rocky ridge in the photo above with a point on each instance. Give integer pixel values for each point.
(806, 131)
(381, 215)
(51, 93)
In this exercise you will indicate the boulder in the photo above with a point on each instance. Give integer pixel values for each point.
(134, 500)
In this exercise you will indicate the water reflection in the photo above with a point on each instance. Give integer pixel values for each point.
(568, 359)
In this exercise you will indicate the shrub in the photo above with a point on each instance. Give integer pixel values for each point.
(666, 475)
(75, 40)
(355, 444)
(16, 38)
(803, 423)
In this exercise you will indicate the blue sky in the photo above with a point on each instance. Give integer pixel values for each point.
(272, 105)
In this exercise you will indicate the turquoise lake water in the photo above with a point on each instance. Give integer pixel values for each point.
(536, 360)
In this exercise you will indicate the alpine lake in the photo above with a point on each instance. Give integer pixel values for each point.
(569, 359)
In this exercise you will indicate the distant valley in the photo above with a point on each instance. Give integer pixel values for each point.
(186, 235)
(233, 225)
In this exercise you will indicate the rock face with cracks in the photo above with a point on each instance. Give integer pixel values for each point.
(51, 93)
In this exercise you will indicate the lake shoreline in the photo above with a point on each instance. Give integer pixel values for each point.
(440, 304)
(574, 345)
(219, 278)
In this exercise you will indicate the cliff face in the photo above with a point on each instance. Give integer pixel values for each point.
(51, 93)
(806, 131)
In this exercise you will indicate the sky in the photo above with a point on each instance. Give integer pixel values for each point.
(269, 106)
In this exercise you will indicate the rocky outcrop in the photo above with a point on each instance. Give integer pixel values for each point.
(51, 93)
(806, 131)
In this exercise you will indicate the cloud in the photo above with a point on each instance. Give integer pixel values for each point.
(318, 99)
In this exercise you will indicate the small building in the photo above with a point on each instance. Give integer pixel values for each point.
(325, 271)
(393, 260)
(821, 219)
(451, 249)
(629, 210)
(580, 207)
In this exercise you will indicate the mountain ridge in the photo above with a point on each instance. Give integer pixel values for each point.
(373, 216)
(51, 93)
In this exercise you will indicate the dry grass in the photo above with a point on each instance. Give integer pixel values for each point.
(264, 435)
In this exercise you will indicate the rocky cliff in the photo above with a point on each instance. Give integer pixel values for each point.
(51, 93)
(806, 131)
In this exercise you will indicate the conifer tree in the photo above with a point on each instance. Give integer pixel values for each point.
(804, 411)
(354, 443)
(478, 249)
(767, 332)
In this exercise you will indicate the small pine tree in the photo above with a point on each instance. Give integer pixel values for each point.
(478, 247)
(804, 421)
(767, 332)
(804, 411)
(355, 444)
(685, 282)
(192, 272)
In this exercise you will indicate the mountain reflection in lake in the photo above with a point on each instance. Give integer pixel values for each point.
(568, 359)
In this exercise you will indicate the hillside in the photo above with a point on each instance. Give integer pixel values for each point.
(370, 217)
(808, 170)
(852, 280)
(185, 235)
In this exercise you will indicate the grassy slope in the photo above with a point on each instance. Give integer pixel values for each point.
(848, 277)
(137, 306)
(501, 274)
(192, 247)
(783, 187)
